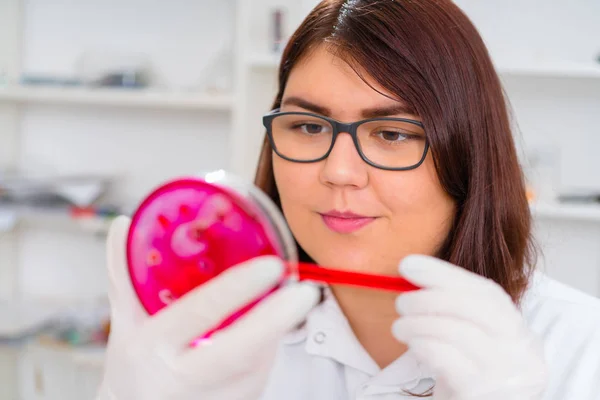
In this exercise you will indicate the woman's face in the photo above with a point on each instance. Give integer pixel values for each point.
(408, 212)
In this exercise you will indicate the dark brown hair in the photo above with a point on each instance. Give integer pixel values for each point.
(430, 55)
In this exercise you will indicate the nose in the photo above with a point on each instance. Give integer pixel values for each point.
(344, 166)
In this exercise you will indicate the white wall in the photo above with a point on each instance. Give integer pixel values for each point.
(537, 30)
(561, 114)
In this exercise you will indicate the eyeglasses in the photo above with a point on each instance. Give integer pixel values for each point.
(396, 144)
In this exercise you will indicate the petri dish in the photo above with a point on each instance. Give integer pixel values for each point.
(189, 230)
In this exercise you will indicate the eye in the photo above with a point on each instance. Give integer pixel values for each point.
(393, 136)
(311, 128)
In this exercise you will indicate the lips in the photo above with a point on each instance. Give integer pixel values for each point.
(345, 222)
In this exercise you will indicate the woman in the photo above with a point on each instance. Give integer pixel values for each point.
(389, 151)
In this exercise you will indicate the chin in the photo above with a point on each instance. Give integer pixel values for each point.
(352, 259)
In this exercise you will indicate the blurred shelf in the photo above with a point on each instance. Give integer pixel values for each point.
(552, 69)
(67, 372)
(92, 225)
(56, 219)
(265, 61)
(88, 355)
(21, 319)
(135, 98)
(573, 212)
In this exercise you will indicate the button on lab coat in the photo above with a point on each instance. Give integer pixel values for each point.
(324, 361)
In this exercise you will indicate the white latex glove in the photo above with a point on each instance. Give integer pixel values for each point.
(148, 357)
(469, 332)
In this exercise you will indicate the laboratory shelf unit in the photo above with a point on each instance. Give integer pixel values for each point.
(568, 212)
(54, 220)
(141, 98)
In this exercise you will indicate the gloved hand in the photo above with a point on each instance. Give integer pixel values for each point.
(149, 358)
(469, 332)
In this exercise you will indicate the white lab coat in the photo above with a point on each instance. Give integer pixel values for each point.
(324, 361)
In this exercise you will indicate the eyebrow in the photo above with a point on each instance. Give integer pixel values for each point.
(374, 112)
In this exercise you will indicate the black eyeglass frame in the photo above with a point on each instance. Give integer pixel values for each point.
(351, 128)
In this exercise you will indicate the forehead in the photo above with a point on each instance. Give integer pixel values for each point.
(327, 80)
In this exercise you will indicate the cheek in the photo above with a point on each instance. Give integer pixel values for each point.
(296, 184)
(421, 211)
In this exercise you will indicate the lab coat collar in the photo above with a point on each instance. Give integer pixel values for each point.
(327, 333)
